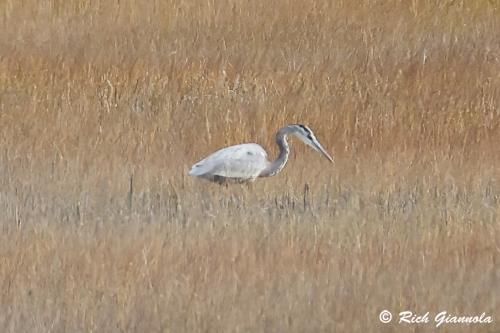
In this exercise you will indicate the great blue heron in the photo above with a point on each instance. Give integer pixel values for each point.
(245, 162)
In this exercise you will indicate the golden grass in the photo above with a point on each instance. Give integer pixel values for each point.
(104, 105)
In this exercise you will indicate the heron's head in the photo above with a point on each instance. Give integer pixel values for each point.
(306, 135)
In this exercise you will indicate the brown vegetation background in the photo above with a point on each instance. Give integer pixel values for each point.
(104, 105)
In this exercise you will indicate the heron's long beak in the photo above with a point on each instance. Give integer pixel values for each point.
(322, 150)
(314, 144)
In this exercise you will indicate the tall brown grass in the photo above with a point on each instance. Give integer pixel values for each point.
(104, 105)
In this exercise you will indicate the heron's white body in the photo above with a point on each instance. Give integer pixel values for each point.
(244, 162)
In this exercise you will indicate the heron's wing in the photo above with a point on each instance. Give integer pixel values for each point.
(240, 161)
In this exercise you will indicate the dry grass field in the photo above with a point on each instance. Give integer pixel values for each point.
(105, 104)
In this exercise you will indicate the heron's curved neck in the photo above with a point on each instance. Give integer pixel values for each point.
(280, 162)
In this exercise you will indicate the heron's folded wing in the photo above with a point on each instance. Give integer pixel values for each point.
(240, 161)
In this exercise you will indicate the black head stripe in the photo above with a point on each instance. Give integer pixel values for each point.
(307, 130)
(303, 127)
